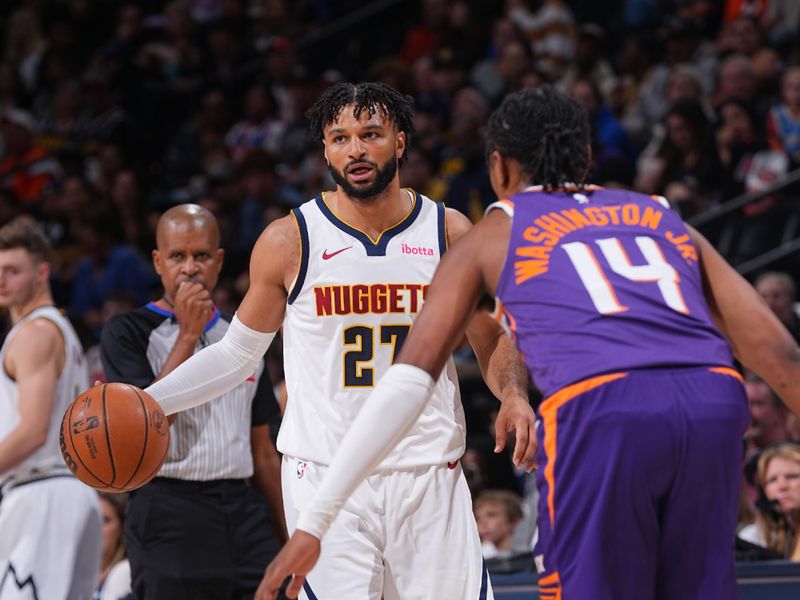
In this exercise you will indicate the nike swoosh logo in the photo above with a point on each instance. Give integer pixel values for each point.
(326, 255)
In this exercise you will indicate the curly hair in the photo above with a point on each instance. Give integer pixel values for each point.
(546, 132)
(369, 96)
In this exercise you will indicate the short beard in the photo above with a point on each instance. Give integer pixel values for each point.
(383, 177)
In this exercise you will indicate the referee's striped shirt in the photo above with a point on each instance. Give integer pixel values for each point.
(208, 442)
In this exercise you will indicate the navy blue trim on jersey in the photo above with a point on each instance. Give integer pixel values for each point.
(440, 220)
(307, 588)
(153, 307)
(373, 248)
(302, 229)
(484, 582)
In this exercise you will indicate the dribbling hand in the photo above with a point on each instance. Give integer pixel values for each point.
(296, 558)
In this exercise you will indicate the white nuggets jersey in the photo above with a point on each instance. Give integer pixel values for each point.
(74, 378)
(348, 313)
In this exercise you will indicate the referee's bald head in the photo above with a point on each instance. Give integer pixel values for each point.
(185, 218)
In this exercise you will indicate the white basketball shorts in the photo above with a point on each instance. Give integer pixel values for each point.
(50, 542)
(405, 534)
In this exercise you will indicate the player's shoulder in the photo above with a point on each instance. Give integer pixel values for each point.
(457, 223)
(35, 341)
(281, 234)
(39, 329)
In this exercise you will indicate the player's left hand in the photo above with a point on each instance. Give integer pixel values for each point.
(296, 558)
(517, 415)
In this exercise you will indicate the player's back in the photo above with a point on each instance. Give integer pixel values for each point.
(598, 281)
(347, 315)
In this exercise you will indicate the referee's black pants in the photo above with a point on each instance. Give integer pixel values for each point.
(191, 540)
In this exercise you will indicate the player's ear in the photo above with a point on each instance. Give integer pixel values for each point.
(43, 271)
(156, 261)
(220, 259)
(400, 146)
(498, 174)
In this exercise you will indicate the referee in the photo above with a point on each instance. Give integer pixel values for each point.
(198, 530)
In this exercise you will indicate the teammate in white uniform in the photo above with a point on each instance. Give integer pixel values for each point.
(346, 275)
(50, 530)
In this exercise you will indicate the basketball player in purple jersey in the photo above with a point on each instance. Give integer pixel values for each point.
(619, 310)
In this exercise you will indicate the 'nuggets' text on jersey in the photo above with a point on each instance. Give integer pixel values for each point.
(375, 298)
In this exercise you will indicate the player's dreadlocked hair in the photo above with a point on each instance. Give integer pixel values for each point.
(546, 132)
(369, 96)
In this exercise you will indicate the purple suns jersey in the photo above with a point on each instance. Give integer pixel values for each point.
(599, 281)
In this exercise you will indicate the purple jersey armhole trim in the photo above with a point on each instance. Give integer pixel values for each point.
(507, 206)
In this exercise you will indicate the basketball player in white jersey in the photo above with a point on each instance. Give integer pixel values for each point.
(50, 530)
(346, 275)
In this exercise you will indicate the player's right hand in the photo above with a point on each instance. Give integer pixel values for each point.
(296, 558)
(193, 307)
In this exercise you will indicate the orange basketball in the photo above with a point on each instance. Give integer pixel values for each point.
(114, 437)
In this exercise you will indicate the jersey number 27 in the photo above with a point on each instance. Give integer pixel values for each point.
(356, 374)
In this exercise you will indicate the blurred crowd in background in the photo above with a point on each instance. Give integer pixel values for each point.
(113, 111)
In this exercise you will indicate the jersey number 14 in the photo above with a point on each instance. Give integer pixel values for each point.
(656, 270)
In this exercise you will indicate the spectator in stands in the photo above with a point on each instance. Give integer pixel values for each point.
(25, 46)
(746, 36)
(783, 122)
(109, 265)
(768, 68)
(779, 292)
(504, 73)
(782, 20)
(27, 169)
(497, 513)
(768, 415)
(549, 27)
(418, 174)
(63, 129)
(426, 37)
(463, 165)
(612, 148)
(114, 581)
(589, 62)
(737, 81)
(184, 154)
(259, 130)
(686, 167)
(739, 139)
(778, 521)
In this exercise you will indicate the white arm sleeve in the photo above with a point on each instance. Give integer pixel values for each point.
(214, 370)
(386, 416)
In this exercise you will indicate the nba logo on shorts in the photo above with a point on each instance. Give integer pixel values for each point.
(301, 468)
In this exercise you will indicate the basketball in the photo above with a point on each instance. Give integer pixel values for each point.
(114, 437)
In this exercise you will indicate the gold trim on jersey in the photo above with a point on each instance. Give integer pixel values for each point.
(380, 235)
